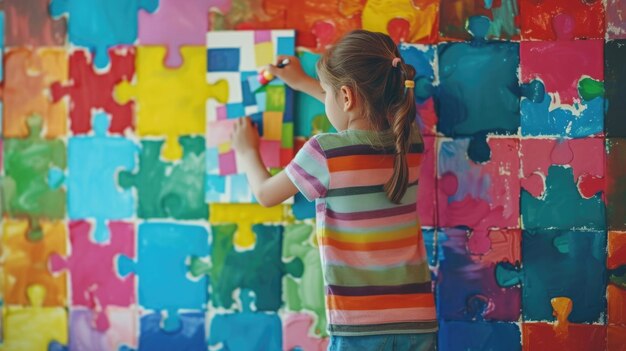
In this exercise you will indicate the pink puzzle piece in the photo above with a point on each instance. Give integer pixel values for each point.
(122, 331)
(296, 334)
(95, 283)
(616, 19)
(478, 196)
(544, 60)
(176, 23)
(426, 189)
(585, 156)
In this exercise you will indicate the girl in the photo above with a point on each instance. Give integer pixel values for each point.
(364, 180)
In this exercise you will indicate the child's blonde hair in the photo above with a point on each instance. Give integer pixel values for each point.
(370, 64)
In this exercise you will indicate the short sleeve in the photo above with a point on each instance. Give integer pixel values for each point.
(309, 170)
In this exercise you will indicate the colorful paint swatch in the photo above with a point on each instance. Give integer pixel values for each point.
(237, 57)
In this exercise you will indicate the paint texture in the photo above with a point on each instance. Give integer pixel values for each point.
(614, 55)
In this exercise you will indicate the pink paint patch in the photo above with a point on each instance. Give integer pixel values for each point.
(534, 184)
(296, 334)
(262, 36)
(227, 163)
(122, 331)
(270, 153)
(562, 153)
(324, 32)
(219, 132)
(221, 113)
(589, 185)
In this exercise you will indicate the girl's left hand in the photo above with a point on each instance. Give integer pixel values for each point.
(245, 136)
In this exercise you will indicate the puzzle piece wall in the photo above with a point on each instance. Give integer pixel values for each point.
(127, 226)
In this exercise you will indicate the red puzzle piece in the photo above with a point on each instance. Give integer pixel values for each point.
(536, 18)
(89, 89)
(28, 23)
(94, 280)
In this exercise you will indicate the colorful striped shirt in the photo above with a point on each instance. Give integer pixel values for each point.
(374, 261)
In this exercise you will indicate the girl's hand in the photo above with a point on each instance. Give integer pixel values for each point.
(245, 136)
(292, 74)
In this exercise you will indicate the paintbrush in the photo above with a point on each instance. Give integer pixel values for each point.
(265, 76)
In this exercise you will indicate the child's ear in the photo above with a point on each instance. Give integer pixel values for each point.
(348, 97)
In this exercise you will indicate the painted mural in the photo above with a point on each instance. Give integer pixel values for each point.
(126, 226)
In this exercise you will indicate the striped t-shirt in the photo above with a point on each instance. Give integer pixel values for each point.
(374, 261)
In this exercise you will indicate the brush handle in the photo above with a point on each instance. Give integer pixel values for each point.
(283, 63)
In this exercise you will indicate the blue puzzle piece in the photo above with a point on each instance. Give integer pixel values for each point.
(478, 90)
(479, 336)
(562, 206)
(190, 336)
(101, 24)
(263, 330)
(307, 108)
(162, 255)
(422, 61)
(303, 208)
(93, 162)
(538, 120)
(557, 263)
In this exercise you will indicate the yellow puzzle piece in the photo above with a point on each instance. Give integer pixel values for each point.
(246, 215)
(421, 15)
(171, 102)
(26, 262)
(33, 328)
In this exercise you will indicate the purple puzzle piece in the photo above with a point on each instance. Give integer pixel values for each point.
(95, 283)
(466, 284)
(177, 23)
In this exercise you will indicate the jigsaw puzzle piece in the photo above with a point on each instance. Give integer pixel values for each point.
(418, 19)
(190, 335)
(563, 335)
(245, 215)
(453, 17)
(29, 169)
(25, 262)
(263, 330)
(29, 24)
(562, 177)
(90, 89)
(467, 289)
(28, 75)
(490, 188)
(160, 93)
(177, 24)
(470, 74)
(94, 162)
(537, 19)
(35, 327)
(615, 76)
(231, 269)
(161, 263)
(169, 189)
(91, 268)
(296, 335)
(307, 292)
(100, 25)
(121, 333)
(616, 292)
(577, 271)
(455, 335)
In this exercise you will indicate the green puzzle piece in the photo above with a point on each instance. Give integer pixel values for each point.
(306, 293)
(260, 270)
(33, 168)
(169, 189)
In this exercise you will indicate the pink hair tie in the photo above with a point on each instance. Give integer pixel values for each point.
(395, 61)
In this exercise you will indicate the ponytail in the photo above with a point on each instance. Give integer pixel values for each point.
(402, 127)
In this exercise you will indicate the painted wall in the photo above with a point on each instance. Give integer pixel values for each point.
(108, 242)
